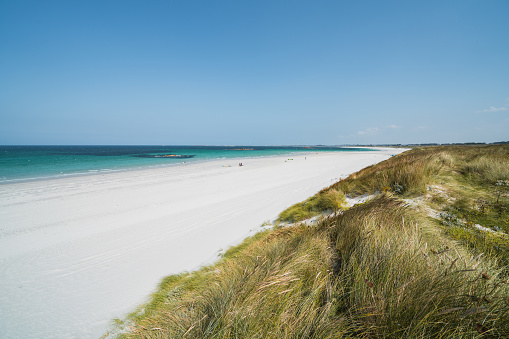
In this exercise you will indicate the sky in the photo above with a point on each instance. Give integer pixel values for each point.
(190, 72)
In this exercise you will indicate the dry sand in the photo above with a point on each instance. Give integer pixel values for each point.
(77, 252)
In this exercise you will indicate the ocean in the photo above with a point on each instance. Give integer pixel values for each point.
(30, 163)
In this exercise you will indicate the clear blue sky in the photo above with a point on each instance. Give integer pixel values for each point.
(253, 72)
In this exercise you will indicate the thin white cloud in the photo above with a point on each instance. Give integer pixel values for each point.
(493, 109)
(369, 131)
(377, 130)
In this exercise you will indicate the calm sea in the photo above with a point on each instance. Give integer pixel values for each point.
(26, 163)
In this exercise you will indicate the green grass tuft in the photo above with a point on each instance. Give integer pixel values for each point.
(328, 200)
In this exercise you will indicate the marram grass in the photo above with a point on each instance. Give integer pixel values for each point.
(377, 270)
(373, 271)
(327, 200)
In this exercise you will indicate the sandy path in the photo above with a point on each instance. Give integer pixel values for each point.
(78, 252)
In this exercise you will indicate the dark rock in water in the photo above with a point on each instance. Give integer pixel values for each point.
(168, 156)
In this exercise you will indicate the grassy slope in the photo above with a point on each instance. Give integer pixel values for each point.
(379, 269)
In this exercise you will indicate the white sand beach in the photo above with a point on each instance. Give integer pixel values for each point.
(77, 252)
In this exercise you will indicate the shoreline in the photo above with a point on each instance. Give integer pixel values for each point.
(102, 171)
(79, 252)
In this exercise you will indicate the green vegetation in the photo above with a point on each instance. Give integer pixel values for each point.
(410, 263)
(405, 174)
(327, 200)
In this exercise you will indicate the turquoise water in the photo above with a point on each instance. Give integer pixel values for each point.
(26, 163)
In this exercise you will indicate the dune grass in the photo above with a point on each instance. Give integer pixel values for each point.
(327, 200)
(377, 270)
(373, 271)
(405, 174)
(401, 278)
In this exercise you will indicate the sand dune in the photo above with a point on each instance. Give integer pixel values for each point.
(78, 252)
